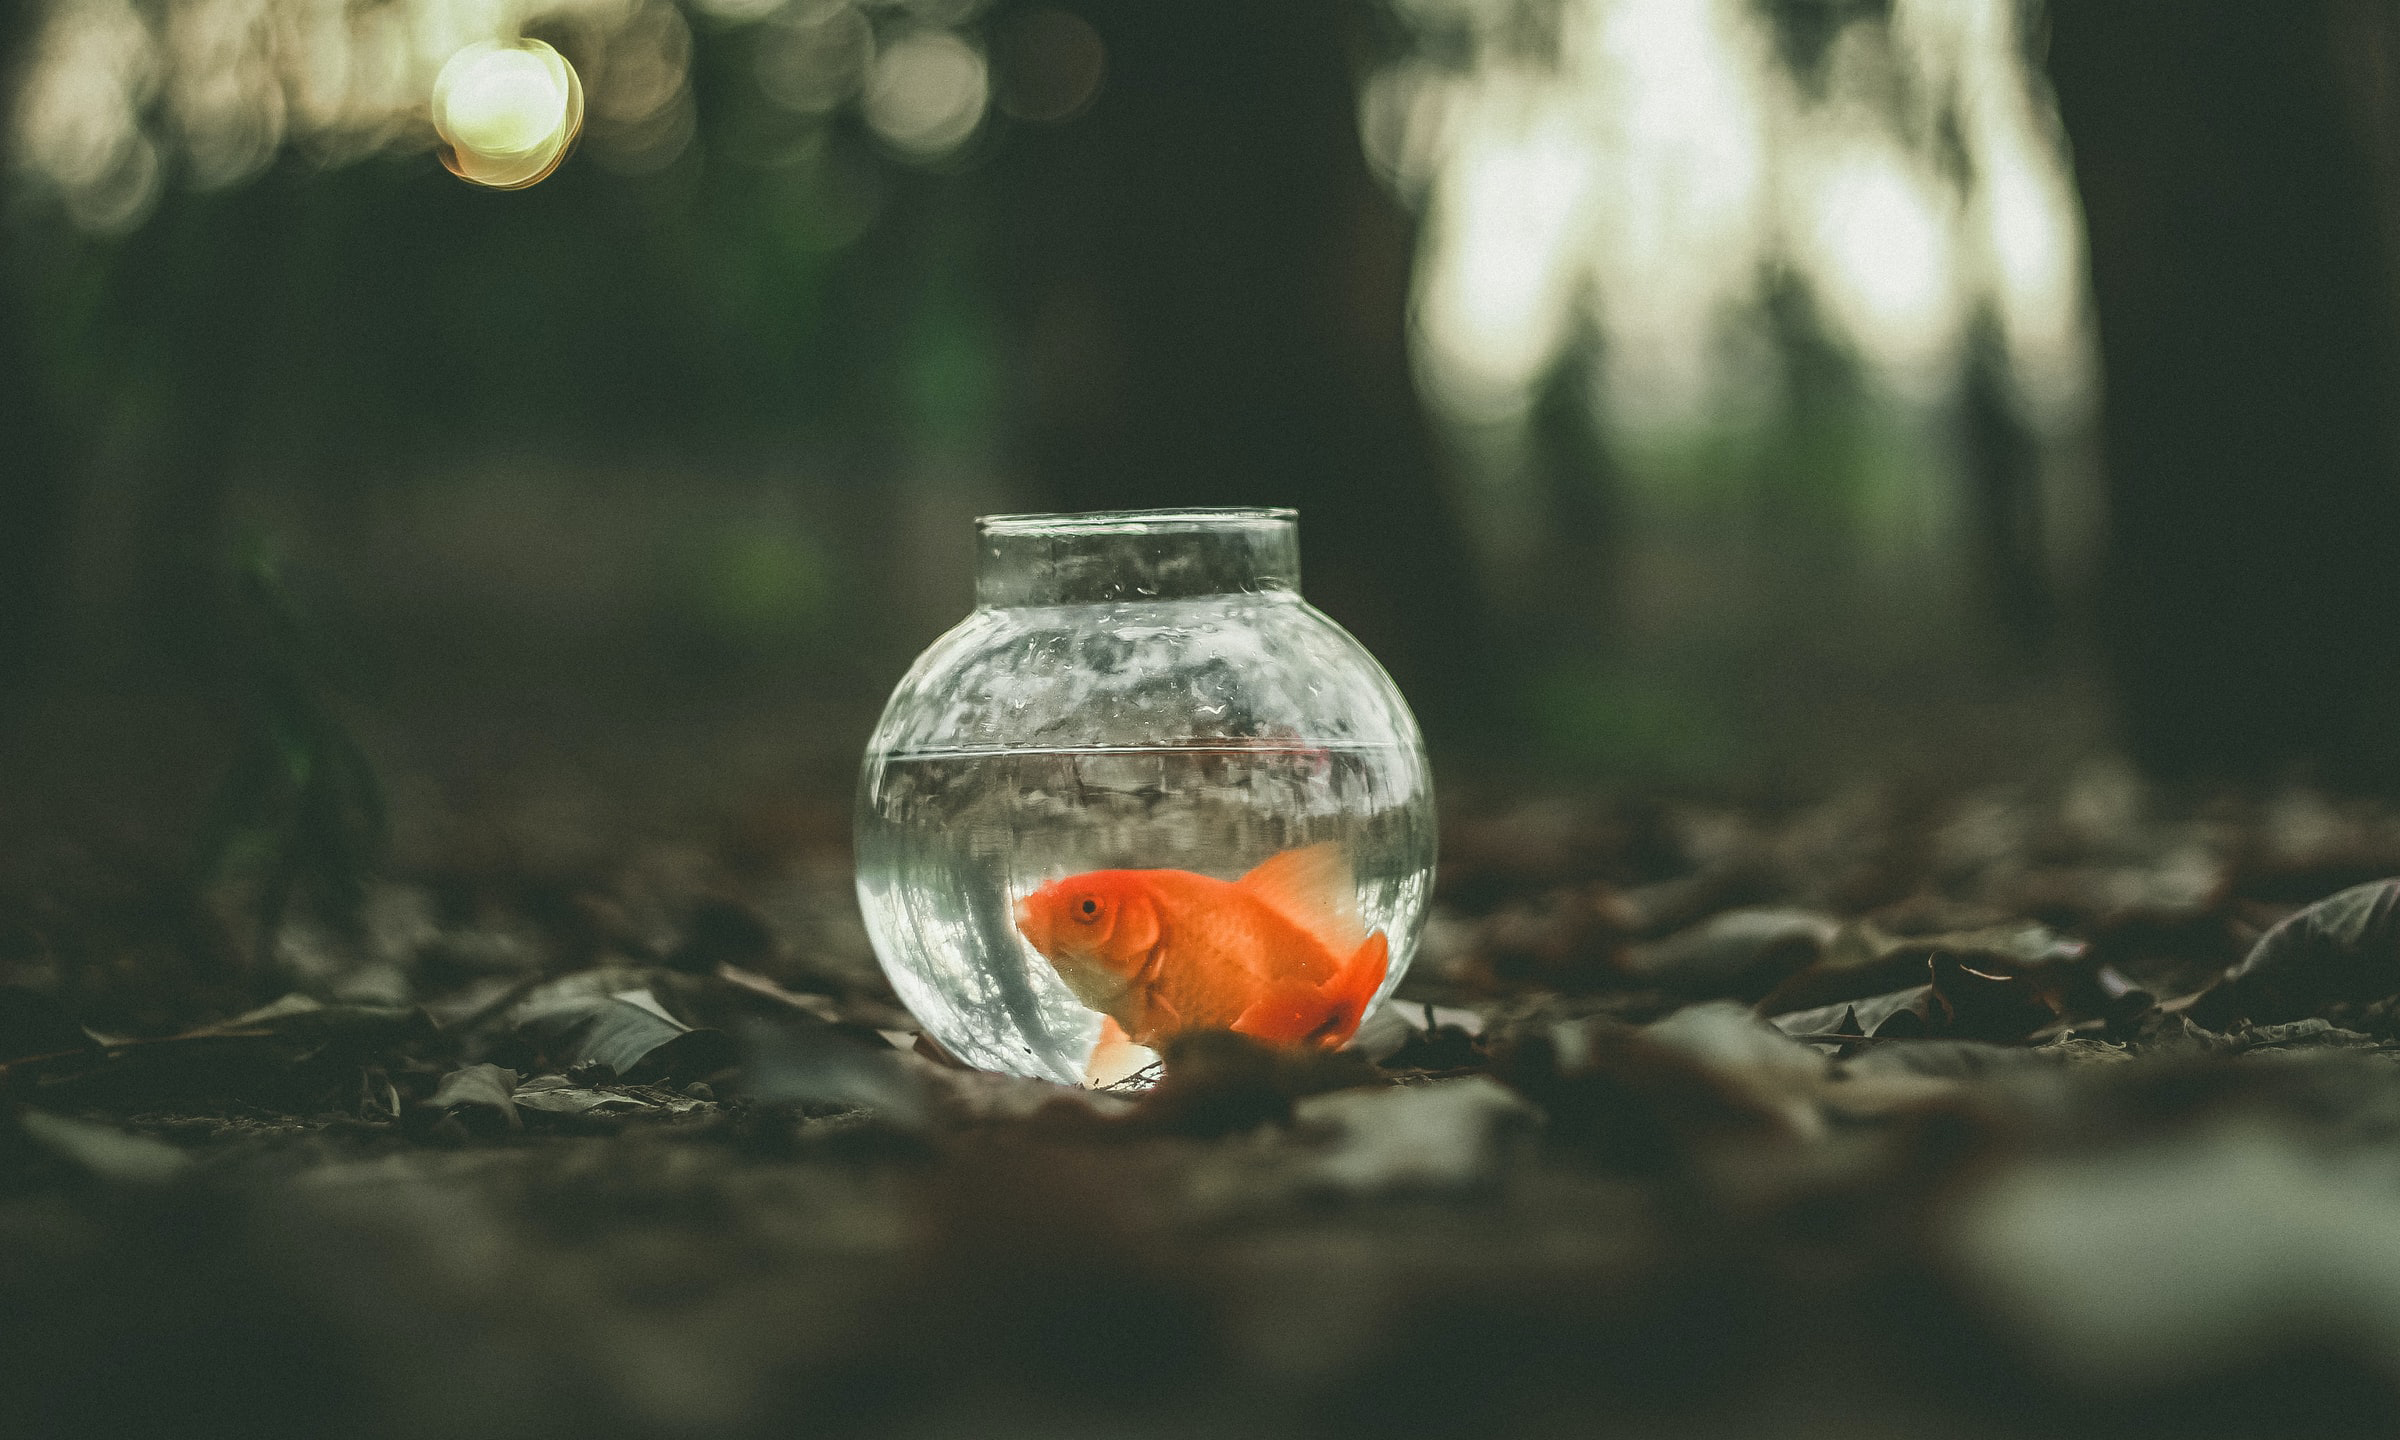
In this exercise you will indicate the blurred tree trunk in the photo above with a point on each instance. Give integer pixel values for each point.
(33, 496)
(33, 486)
(2230, 158)
(1215, 292)
(2004, 476)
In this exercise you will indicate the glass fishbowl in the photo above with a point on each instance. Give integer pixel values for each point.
(1143, 788)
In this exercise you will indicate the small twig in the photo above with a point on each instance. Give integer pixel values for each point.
(118, 1047)
(1139, 1081)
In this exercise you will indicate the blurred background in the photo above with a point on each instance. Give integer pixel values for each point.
(1707, 392)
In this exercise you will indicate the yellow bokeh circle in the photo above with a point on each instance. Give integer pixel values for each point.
(508, 111)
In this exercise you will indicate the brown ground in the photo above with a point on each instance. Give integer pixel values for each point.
(2052, 1171)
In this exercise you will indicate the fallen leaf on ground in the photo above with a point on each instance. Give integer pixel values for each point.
(1742, 954)
(1963, 1002)
(479, 1087)
(627, 1031)
(2168, 1261)
(556, 1095)
(1862, 960)
(2343, 948)
(104, 1151)
(801, 1060)
(1220, 1083)
(1444, 1138)
(1854, 1018)
(1425, 1031)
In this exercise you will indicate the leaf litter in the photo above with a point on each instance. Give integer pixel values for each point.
(2038, 1110)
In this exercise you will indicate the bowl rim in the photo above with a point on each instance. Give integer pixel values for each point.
(1137, 522)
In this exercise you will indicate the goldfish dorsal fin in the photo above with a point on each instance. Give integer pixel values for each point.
(1312, 887)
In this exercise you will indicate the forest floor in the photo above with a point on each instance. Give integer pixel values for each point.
(1901, 1112)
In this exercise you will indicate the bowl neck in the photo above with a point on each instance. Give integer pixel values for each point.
(1111, 556)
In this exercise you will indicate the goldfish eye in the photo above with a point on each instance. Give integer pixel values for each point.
(1090, 906)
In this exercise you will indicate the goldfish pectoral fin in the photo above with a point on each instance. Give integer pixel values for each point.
(1353, 988)
(1115, 1056)
(1314, 889)
(1286, 1013)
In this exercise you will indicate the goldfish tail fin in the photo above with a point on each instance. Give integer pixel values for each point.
(1353, 989)
(1313, 888)
(1287, 1013)
(1292, 1012)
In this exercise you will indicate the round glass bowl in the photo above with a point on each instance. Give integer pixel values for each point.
(1065, 793)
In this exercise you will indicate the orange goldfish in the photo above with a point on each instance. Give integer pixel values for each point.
(1279, 954)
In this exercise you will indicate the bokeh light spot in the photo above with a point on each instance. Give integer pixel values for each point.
(926, 93)
(1878, 242)
(77, 120)
(644, 67)
(507, 111)
(1640, 178)
(1051, 64)
(814, 60)
(939, 12)
(738, 10)
(499, 101)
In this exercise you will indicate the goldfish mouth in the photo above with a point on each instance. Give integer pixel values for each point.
(1094, 983)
